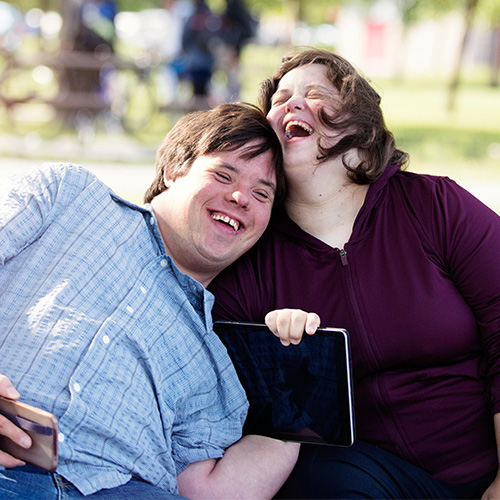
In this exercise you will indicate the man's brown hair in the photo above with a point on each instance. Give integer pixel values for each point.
(227, 127)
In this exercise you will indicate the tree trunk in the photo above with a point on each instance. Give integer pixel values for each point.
(470, 10)
(69, 12)
(495, 58)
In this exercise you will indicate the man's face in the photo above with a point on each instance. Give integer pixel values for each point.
(216, 212)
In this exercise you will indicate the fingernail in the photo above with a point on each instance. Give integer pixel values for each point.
(25, 442)
(12, 392)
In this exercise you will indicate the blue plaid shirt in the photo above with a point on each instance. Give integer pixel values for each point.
(98, 326)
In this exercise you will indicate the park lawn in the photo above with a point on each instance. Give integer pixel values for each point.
(463, 144)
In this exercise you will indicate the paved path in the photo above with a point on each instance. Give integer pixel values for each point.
(128, 166)
(128, 180)
(122, 163)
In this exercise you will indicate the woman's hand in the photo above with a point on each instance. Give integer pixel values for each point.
(493, 492)
(290, 324)
(7, 428)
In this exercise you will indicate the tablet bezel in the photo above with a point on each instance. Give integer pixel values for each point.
(337, 334)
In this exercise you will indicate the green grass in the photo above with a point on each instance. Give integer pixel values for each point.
(463, 144)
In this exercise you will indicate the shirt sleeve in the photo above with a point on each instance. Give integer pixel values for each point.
(468, 233)
(29, 204)
(212, 418)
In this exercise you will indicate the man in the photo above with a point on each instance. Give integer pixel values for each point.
(106, 322)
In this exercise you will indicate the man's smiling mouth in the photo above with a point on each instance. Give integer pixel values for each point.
(227, 220)
(296, 128)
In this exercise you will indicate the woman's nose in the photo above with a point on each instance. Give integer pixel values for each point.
(294, 102)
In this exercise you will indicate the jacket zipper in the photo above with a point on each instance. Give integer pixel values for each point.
(343, 257)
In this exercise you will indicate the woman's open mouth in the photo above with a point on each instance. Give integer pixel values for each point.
(297, 128)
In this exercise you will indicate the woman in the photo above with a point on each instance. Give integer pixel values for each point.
(407, 263)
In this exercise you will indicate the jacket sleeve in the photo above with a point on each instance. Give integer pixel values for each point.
(469, 238)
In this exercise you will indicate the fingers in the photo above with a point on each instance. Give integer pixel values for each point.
(289, 324)
(14, 433)
(9, 461)
(312, 323)
(8, 429)
(7, 389)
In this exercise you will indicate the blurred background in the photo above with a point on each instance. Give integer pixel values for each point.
(100, 82)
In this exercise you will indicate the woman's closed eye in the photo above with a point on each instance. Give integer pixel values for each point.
(279, 99)
(315, 94)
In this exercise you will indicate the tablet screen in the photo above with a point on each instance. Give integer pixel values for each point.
(299, 392)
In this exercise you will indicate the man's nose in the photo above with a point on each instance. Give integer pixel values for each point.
(241, 198)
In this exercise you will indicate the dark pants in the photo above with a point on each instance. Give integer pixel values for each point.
(366, 471)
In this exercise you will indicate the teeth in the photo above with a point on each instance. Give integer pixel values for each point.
(289, 125)
(224, 218)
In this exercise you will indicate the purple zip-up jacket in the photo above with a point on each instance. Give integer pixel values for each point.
(418, 288)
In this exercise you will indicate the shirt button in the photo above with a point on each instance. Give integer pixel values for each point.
(163, 263)
(77, 387)
(152, 221)
(60, 437)
(143, 290)
(130, 310)
(105, 339)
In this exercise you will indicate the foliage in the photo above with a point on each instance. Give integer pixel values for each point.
(489, 11)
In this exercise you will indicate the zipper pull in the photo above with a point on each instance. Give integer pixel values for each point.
(343, 257)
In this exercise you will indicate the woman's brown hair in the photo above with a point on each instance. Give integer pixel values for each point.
(359, 114)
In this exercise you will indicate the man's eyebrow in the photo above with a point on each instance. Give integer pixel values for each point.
(266, 182)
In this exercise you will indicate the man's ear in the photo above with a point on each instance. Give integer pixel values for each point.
(167, 180)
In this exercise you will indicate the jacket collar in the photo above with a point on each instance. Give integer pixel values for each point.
(280, 221)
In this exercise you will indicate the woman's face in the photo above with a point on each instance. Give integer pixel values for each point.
(294, 113)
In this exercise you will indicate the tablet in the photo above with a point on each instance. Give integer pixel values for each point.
(298, 392)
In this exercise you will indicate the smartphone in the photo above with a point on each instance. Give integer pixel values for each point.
(41, 426)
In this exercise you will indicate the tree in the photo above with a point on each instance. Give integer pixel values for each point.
(469, 13)
(489, 12)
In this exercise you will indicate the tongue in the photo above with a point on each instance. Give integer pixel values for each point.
(296, 131)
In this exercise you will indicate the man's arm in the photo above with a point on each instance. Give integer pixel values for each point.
(7, 428)
(253, 468)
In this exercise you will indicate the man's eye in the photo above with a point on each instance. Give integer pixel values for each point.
(223, 176)
(262, 195)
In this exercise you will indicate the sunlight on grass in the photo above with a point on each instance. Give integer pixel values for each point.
(463, 144)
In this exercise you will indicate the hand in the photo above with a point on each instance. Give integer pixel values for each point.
(290, 324)
(7, 428)
(493, 492)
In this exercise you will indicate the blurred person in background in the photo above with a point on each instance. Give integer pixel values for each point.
(200, 36)
(94, 33)
(173, 16)
(407, 263)
(238, 28)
